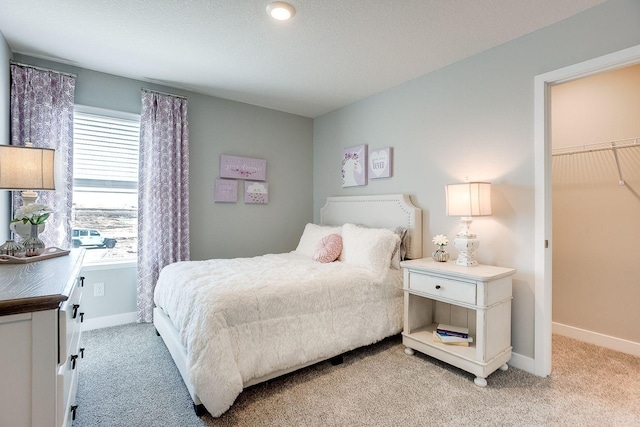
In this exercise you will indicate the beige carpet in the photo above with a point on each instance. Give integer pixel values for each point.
(376, 386)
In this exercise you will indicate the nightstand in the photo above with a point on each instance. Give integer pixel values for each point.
(478, 298)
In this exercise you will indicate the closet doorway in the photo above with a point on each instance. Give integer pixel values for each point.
(543, 241)
(595, 193)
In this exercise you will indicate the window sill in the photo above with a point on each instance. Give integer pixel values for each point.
(109, 265)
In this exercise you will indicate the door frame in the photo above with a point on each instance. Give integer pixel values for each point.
(543, 242)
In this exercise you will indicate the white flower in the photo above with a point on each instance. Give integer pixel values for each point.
(440, 240)
(33, 213)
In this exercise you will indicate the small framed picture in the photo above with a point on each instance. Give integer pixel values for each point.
(243, 168)
(226, 191)
(256, 192)
(380, 163)
(354, 166)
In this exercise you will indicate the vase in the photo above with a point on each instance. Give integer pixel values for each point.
(32, 244)
(440, 254)
(13, 248)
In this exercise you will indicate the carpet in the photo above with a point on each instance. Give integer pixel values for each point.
(127, 378)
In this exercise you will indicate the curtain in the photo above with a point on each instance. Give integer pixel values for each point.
(42, 113)
(163, 192)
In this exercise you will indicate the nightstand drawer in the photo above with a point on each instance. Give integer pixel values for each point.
(439, 287)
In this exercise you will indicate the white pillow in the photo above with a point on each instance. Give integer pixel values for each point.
(312, 235)
(370, 248)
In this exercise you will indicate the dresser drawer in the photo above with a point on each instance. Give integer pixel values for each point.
(70, 318)
(438, 287)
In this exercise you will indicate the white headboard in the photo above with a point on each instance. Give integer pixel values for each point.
(390, 210)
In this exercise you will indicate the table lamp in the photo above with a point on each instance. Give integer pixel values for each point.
(468, 200)
(26, 168)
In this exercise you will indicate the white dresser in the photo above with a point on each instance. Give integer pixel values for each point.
(40, 327)
(477, 298)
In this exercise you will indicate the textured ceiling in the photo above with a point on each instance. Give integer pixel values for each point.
(332, 53)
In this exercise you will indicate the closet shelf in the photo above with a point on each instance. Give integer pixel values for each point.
(600, 146)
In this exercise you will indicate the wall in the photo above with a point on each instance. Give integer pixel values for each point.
(595, 220)
(5, 84)
(216, 127)
(473, 119)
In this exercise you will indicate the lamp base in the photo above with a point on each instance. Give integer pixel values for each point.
(467, 246)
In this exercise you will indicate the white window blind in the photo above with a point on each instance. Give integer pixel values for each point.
(105, 152)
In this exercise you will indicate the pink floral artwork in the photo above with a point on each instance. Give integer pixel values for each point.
(354, 166)
(243, 168)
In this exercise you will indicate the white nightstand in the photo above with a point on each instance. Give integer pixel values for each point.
(478, 298)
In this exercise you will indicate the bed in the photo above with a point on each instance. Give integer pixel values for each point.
(233, 323)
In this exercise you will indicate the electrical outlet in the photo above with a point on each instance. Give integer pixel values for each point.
(98, 289)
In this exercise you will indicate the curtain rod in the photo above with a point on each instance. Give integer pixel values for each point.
(20, 64)
(163, 93)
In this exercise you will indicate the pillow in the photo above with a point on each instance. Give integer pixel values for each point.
(311, 235)
(328, 248)
(370, 248)
(400, 249)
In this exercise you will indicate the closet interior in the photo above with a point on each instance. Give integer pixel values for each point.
(595, 133)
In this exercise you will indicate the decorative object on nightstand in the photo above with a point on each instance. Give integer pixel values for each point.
(468, 200)
(440, 254)
(13, 248)
(33, 214)
(26, 168)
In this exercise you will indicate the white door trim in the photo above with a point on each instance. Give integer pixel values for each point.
(542, 234)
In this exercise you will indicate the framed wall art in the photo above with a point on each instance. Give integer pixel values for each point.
(225, 190)
(256, 192)
(380, 163)
(243, 168)
(354, 166)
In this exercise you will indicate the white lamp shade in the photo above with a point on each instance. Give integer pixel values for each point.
(469, 199)
(26, 168)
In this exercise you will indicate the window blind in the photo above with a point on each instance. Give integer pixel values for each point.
(105, 152)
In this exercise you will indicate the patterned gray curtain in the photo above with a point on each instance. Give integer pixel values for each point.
(163, 192)
(42, 113)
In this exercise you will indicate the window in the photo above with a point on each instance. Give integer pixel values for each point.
(105, 184)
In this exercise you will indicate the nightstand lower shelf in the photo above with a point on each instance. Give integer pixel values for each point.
(460, 357)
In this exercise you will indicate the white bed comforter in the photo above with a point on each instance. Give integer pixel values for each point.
(244, 318)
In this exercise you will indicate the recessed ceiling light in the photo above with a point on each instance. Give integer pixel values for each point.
(280, 10)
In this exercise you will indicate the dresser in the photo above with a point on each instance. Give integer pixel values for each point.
(477, 298)
(40, 328)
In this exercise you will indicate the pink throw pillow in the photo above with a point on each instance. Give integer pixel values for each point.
(328, 249)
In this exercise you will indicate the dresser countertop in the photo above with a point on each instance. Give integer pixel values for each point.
(40, 285)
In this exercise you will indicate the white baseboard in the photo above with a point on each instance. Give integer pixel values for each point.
(107, 321)
(522, 362)
(596, 338)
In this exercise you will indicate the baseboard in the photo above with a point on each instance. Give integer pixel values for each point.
(596, 338)
(107, 321)
(522, 362)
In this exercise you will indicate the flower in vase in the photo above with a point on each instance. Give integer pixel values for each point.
(33, 213)
(440, 240)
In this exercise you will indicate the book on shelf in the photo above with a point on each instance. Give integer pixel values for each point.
(456, 331)
(451, 340)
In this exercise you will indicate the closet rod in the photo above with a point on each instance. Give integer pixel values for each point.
(20, 64)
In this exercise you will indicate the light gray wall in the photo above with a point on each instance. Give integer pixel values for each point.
(595, 220)
(218, 126)
(473, 119)
(5, 84)
(120, 289)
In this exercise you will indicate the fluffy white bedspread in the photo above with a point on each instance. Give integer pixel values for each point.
(245, 318)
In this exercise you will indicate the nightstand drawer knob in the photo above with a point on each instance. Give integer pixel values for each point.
(437, 286)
